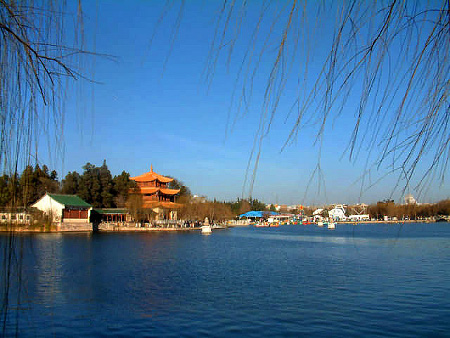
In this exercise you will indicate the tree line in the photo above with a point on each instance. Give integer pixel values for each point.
(95, 185)
(217, 210)
(410, 211)
(391, 209)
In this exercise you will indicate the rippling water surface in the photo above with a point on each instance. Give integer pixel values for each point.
(365, 280)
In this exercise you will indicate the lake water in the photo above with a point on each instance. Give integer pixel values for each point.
(364, 280)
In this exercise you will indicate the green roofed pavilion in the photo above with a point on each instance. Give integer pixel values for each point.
(68, 212)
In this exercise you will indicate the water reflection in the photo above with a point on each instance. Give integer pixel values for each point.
(48, 256)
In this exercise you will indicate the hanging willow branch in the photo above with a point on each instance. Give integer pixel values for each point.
(36, 63)
(390, 57)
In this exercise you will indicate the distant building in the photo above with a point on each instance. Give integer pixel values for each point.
(409, 199)
(66, 211)
(318, 214)
(283, 208)
(338, 213)
(198, 199)
(15, 216)
(110, 215)
(275, 207)
(358, 209)
(155, 194)
(359, 218)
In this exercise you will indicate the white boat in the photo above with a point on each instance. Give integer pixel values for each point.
(217, 226)
(206, 229)
(320, 224)
(331, 225)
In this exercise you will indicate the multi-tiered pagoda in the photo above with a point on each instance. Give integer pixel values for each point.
(156, 195)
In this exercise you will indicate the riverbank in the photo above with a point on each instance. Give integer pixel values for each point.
(387, 222)
(109, 227)
(89, 227)
(131, 227)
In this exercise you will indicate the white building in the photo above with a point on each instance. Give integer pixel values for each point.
(15, 216)
(64, 208)
(409, 199)
(317, 215)
(338, 213)
(359, 218)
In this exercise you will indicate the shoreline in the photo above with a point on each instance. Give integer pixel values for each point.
(114, 228)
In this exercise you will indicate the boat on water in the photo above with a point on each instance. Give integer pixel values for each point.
(206, 227)
(320, 224)
(239, 223)
(218, 227)
(331, 225)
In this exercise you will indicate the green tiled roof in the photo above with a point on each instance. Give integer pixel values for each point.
(70, 200)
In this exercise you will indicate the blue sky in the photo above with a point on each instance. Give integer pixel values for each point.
(146, 111)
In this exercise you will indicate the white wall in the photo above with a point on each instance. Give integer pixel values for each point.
(19, 217)
(359, 217)
(50, 207)
(337, 213)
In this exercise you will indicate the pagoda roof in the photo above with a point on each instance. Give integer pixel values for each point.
(166, 191)
(164, 205)
(152, 190)
(151, 176)
(148, 190)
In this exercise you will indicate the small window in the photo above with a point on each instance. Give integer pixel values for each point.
(20, 216)
(13, 216)
(3, 216)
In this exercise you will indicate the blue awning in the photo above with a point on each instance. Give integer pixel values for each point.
(258, 214)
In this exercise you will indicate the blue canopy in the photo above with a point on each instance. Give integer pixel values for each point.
(257, 213)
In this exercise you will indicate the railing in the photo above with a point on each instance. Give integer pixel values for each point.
(167, 223)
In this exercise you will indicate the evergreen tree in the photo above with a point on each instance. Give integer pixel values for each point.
(27, 184)
(85, 190)
(96, 186)
(14, 190)
(257, 205)
(122, 185)
(5, 192)
(71, 183)
(44, 181)
(54, 175)
(35, 182)
(106, 184)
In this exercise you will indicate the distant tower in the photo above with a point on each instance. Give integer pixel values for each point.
(409, 199)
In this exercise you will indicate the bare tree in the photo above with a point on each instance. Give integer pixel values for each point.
(37, 62)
